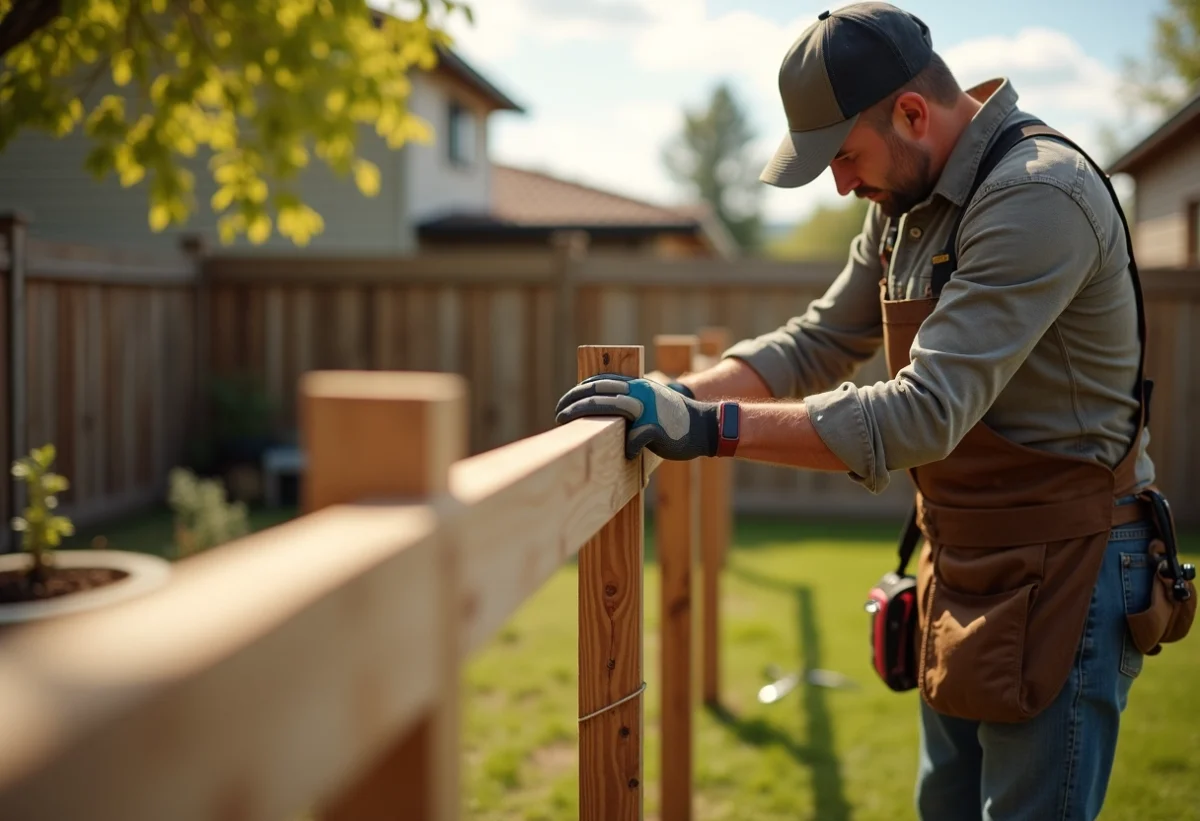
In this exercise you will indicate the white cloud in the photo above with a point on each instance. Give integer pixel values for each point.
(617, 150)
(1047, 67)
(618, 147)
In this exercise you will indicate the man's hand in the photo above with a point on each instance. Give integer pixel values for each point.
(660, 418)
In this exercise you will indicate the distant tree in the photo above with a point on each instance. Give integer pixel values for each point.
(1161, 83)
(711, 156)
(260, 85)
(825, 235)
(1173, 69)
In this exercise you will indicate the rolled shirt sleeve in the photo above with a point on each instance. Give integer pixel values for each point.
(839, 331)
(1025, 251)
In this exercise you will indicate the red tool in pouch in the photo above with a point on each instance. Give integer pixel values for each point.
(892, 604)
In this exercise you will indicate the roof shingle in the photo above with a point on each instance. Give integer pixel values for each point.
(531, 198)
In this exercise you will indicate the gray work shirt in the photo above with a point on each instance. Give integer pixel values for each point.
(1035, 334)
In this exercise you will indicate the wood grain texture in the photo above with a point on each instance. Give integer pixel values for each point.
(349, 415)
(677, 540)
(716, 526)
(375, 435)
(338, 651)
(532, 505)
(675, 354)
(611, 641)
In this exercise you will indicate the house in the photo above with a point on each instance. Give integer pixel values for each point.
(444, 194)
(45, 178)
(528, 207)
(1165, 168)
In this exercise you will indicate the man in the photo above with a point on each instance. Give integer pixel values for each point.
(1010, 313)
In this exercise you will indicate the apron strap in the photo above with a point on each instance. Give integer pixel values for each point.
(945, 263)
(908, 541)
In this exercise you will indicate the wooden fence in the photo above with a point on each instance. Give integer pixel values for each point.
(499, 319)
(315, 667)
(121, 412)
(103, 363)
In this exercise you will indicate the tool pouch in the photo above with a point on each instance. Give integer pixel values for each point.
(892, 604)
(1173, 598)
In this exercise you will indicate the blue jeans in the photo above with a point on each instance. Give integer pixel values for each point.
(1055, 766)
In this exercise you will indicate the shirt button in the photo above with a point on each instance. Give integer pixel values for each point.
(914, 232)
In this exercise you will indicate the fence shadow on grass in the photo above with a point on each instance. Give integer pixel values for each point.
(818, 754)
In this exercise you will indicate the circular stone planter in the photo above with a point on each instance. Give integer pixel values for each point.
(144, 573)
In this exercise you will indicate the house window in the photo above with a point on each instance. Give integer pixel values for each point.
(1193, 234)
(460, 135)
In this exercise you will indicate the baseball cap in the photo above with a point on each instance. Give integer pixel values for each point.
(842, 64)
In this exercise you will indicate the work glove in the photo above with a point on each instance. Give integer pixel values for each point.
(659, 376)
(662, 419)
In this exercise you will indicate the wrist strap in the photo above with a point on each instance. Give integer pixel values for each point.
(729, 428)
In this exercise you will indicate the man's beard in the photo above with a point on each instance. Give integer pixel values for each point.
(908, 181)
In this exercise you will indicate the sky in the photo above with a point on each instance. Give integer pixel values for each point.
(605, 82)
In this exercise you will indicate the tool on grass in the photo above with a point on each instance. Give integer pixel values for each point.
(782, 684)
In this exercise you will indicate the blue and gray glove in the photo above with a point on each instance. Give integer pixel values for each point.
(661, 418)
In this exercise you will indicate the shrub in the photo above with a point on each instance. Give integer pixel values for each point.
(204, 518)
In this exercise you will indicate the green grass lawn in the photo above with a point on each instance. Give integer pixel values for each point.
(792, 595)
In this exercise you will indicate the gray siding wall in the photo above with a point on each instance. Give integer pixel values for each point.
(45, 177)
(436, 185)
(1164, 189)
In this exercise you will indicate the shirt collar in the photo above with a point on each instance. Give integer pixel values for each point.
(999, 100)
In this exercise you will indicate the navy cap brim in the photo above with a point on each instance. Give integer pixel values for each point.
(803, 155)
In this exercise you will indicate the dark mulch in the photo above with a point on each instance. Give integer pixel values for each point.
(16, 586)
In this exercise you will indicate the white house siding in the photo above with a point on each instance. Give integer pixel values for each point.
(46, 178)
(1164, 188)
(437, 186)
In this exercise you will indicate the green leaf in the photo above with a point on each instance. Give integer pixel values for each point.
(366, 175)
(160, 217)
(122, 68)
(259, 230)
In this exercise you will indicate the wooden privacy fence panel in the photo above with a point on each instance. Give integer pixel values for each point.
(110, 372)
(491, 319)
(1173, 362)
(117, 349)
(497, 320)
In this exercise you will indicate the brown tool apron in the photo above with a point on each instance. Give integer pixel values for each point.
(1014, 541)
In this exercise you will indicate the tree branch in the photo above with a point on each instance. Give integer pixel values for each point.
(24, 20)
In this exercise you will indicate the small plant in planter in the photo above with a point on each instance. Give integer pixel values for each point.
(42, 531)
(43, 580)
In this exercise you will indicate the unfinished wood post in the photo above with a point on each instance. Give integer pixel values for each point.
(676, 523)
(716, 512)
(611, 641)
(13, 228)
(376, 437)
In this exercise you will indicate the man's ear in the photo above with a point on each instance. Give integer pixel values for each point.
(910, 115)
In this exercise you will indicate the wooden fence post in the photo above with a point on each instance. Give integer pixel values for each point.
(193, 246)
(611, 641)
(394, 436)
(676, 523)
(13, 228)
(716, 512)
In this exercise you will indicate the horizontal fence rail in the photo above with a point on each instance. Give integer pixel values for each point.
(315, 667)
